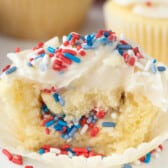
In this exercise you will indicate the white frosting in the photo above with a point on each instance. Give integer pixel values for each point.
(102, 68)
(158, 9)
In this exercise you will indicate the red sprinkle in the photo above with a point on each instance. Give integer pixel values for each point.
(17, 50)
(70, 51)
(47, 120)
(7, 154)
(66, 43)
(64, 59)
(47, 131)
(41, 52)
(28, 166)
(142, 159)
(40, 44)
(100, 114)
(50, 55)
(81, 150)
(17, 159)
(148, 3)
(6, 68)
(82, 53)
(131, 61)
(78, 47)
(123, 42)
(94, 131)
(161, 147)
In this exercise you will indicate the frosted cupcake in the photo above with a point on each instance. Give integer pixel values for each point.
(145, 22)
(92, 101)
(42, 19)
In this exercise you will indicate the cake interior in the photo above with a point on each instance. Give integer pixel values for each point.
(38, 117)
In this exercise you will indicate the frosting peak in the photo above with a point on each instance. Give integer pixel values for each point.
(153, 9)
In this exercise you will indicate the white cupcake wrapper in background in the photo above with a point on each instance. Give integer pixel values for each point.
(153, 39)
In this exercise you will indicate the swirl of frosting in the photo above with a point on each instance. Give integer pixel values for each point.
(95, 61)
(153, 9)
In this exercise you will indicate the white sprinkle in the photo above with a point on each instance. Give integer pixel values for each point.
(139, 65)
(45, 59)
(147, 67)
(69, 139)
(64, 38)
(156, 155)
(114, 115)
(84, 129)
(130, 52)
(122, 37)
(55, 150)
(138, 162)
(158, 150)
(54, 42)
(70, 154)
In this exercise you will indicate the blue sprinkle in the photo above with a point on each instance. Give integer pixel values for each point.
(127, 166)
(69, 37)
(39, 56)
(11, 70)
(89, 40)
(58, 127)
(65, 136)
(72, 132)
(49, 123)
(108, 124)
(161, 68)
(86, 47)
(41, 151)
(63, 123)
(61, 100)
(45, 108)
(147, 158)
(77, 126)
(89, 148)
(94, 121)
(72, 57)
(154, 61)
(82, 38)
(29, 64)
(51, 50)
(106, 34)
(89, 119)
(153, 68)
(56, 97)
(124, 46)
(120, 51)
(103, 40)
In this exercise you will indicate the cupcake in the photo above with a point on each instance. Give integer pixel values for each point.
(88, 101)
(145, 22)
(32, 19)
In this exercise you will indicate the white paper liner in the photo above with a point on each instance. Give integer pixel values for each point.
(159, 135)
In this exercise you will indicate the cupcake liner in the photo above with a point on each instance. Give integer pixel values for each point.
(41, 19)
(151, 34)
(159, 134)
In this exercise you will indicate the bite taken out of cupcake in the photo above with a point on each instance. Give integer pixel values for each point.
(95, 99)
(143, 21)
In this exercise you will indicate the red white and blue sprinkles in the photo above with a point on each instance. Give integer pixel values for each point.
(75, 48)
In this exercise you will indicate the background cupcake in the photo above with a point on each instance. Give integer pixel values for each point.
(41, 19)
(145, 22)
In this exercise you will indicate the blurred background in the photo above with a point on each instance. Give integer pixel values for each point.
(23, 23)
(19, 30)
